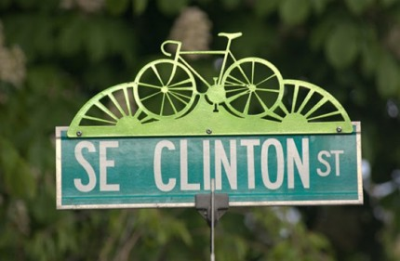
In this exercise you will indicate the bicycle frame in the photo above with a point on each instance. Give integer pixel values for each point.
(179, 59)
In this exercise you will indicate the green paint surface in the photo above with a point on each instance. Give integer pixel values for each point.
(303, 169)
(245, 96)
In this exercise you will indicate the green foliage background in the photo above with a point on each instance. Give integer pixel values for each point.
(74, 48)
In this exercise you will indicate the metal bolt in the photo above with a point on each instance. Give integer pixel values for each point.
(208, 131)
(339, 129)
(79, 133)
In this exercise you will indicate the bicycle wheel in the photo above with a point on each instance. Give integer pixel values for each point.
(110, 110)
(165, 89)
(305, 103)
(253, 87)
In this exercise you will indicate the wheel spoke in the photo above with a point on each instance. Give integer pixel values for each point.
(326, 115)
(236, 80)
(276, 116)
(116, 104)
(284, 109)
(149, 96)
(173, 93)
(162, 105)
(267, 90)
(178, 94)
(241, 88)
(316, 106)
(243, 74)
(305, 101)
(234, 97)
(180, 97)
(149, 85)
(266, 79)
(153, 67)
(87, 117)
(295, 93)
(180, 83)
(145, 119)
(232, 84)
(128, 104)
(245, 80)
(107, 111)
(247, 106)
(252, 71)
(261, 102)
(180, 88)
(172, 103)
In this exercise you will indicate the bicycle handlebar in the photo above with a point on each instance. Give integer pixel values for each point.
(178, 48)
(178, 44)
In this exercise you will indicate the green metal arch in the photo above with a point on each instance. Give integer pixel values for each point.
(231, 106)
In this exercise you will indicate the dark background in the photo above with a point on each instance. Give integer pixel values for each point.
(55, 55)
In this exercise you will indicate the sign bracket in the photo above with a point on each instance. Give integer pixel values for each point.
(212, 207)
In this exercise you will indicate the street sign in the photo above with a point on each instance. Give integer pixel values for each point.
(168, 171)
(161, 140)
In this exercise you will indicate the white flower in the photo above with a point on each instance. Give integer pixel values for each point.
(192, 28)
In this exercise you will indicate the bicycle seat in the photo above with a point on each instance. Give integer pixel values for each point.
(230, 36)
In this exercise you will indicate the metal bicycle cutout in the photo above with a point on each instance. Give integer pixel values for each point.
(232, 83)
(248, 96)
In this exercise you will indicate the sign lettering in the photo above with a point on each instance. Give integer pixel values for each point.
(169, 171)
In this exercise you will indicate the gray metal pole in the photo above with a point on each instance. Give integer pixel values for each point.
(212, 218)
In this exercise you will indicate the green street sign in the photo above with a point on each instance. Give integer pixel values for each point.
(165, 137)
(168, 171)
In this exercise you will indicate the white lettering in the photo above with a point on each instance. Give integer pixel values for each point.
(184, 169)
(104, 164)
(229, 167)
(86, 165)
(279, 164)
(303, 167)
(206, 164)
(337, 161)
(321, 154)
(157, 166)
(249, 144)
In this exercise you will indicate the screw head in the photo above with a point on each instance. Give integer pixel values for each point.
(79, 133)
(208, 131)
(339, 129)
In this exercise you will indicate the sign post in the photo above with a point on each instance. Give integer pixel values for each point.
(252, 138)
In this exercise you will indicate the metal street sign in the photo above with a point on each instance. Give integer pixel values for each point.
(161, 140)
(168, 171)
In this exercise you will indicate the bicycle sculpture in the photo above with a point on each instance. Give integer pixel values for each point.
(246, 96)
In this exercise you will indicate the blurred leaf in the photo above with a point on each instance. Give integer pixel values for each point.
(43, 36)
(320, 5)
(72, 55)
(117, 7)
(96, 41)
(264, 8)
(370, 51)
(4, 4)
(172, 7)
(17, 178)
(318, 241)
(294, 12)
(139, 6)
(231, 4)
(388, 3)
(236, 245)
(358, 6)
(70, 39)
(342, 45)
(321, 32)
(388, 76)
(26, 3)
